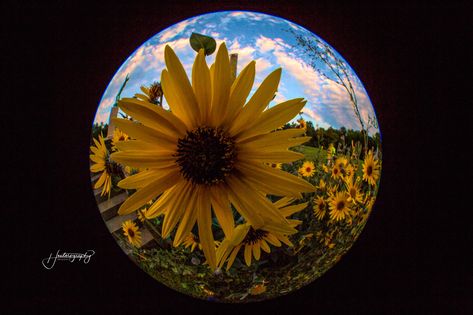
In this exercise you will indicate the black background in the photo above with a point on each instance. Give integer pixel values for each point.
(415, 63)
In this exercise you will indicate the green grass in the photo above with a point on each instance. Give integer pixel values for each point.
(311, 153)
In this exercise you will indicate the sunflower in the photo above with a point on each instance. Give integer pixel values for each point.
(209, 150)
(370, 169)
(320, 207)
(307, 169)
(341, 162)
(118, 135)
(191, 241)
(322, 185)
(302, 123)
(152, 94)
(336, 172)
(130, 230)
(353, 189)
(102, 164)
(339, 206)
(254, 239)
(331, 151)
(142, 215)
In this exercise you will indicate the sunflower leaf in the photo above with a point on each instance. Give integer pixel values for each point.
(199, 41)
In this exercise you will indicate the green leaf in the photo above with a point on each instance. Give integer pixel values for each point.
(199, 41)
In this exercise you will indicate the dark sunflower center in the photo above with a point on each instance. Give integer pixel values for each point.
(131, 233)
(335, 171)
(308, 169)
(369, 170)
(111, 167)
(340, 205)
(254, 236)
(121, 138)
(353, 192)
(206, 155)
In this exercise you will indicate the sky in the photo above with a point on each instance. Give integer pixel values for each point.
(254, 36)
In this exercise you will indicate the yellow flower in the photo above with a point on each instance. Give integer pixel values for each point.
(341, 162)
(307, 169)
(322, 185)
(331, 151)
(118, 135)
(320, 207)
(209, 150)
(302, 123)
(253, 240)
(325, 168)
(100, 157)
(130, 230)
(152, 94)
(339, 206)
(353, 189)
(191, 241)
(336, 172)
(142, 215)
(370, 169)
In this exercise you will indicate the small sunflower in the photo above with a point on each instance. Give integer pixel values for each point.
(191, 242)
(102, 164)
(341, 162)
(302, 123)
(130, 230)
(322, 185)
(370, 169)
(208, 151)
(339, 206)
(336, 172)
(142, 215)
(331, 151)
(118, 135)
(353, 189)
(152, 94)
(320, 208)
(254, 240)
(307, 169)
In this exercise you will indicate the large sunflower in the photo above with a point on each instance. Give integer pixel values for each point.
(253, 240)
(100, 157)
(209, 151)
(370, 169)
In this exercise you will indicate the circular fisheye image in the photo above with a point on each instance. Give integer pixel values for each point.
(235, 157)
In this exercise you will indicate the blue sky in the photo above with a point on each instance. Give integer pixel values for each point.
(254, 36)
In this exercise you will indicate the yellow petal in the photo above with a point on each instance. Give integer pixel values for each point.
(239, 92)
(176, 210)
(265, 246)
(204, 219)
(147, 134)
(188, 220)
(272, 240)
(248, 254)
(167, 198)
(101, 180)
(257, 103)
(273, 118)
(152, 116)
(149, 192)
(201, 85)
(239, 233)
(287, 211)
(96, 159)
(222, 210)
(97, 168)
(285, 201)
(142, 145)
(270, 157)
(142, 159)
(255, 207)
(143, 178)
(232, 257)
(223, 251)
(178, 90)
(256, 250)
(221, 86)
(277, 179)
